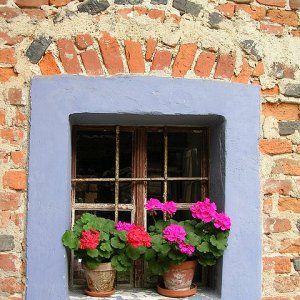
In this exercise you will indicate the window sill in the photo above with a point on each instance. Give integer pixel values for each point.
(140, 294)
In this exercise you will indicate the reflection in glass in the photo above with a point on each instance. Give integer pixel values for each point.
(155, 154)
(155, 189)
(125, 154)
(95, 153)
(185, 191)
(125, 192)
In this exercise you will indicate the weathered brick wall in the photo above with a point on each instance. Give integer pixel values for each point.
(241, 41)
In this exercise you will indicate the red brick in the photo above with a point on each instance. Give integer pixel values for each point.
(7, 262)
(298, 149)
(140, 10)
(11, 285)
(91, 62)
(6, 74)
(161, 60)
(3, 156)
(287, 166)
(18, 158)
(9, 201)
(68, 56)
(134, 56)
(150, 48)
(124, 12)
(176, 19)
(278, 3)
(225, 67)
(10, 41)
(12, 136)
(111, 54)
(285, 284)
(9, 13)
(275, 146)
(272, 186)
(15, 96)
(277, 264)
(184, 60)
(256, 12)
(31, 3)
(20, 119)
(245, 73)
(267, 205)
(295, 33)
(275, 225)
(276, 298)
(156, 14)
(2, 117)
(35, 13)
(7, 56)
(227, 9)
(272, 29)
(15, 179)
(281, 111)
(294, 4)
(205, 63)
(5, 219)
(82, 41)
(48, 65)
(289, 204)
(3, 2)
(290, 246)
(259, 69)
(59, 3)
(270, 92)
(289, 18)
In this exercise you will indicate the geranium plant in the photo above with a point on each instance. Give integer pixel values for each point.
(96, 240)
(203, 237)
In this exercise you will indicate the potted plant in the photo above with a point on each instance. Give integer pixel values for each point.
(105, 247)
(177, 247)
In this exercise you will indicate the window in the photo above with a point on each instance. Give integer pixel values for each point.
(115, 169)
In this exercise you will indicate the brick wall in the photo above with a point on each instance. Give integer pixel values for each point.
(241, 41)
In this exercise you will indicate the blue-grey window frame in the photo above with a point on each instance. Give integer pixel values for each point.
(232, 111)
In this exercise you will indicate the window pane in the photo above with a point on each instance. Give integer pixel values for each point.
(185, 150)
(185, 191)
(155, 154)
(125, 154)
(95, 192)
(155, 189)
(182, 215)
(125, 192)
(125, 216)
(103, 214)
(95, 153)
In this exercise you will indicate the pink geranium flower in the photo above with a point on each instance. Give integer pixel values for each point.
(174, 233)
(204, 210)
(185, 248)
(123, 226)
(222, 221)
(169, 207)
(153, 204)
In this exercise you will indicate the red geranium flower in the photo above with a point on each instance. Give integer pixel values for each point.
(90, 239)
(137, 236)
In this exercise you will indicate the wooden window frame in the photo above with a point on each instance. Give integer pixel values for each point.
(139, 178)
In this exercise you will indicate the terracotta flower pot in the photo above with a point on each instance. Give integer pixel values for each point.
(180, 277)
(101, 279)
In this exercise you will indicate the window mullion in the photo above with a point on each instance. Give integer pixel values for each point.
(117, 166)
(165, 195)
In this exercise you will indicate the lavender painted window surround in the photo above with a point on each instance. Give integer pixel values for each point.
(232, 112)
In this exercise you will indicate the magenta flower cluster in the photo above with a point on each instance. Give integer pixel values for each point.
(176, 234)
(206, 211)
(123, 226)
(168, 207)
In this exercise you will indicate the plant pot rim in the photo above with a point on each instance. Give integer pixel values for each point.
(102, 267)
(177, 294)
(185, 264)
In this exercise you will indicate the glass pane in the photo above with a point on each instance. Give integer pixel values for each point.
(125, 192)
(155, 154)
(155, 189)
(150, 219)
(182, 215)
(185, 150)
(95, 192)
(126, 139)
(95, 153)
(125, 216)
(184, 191)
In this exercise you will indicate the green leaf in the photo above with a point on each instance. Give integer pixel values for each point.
(151, 228)
(104, 236)
(117, 265)
(158, 267)
(105, 246)
(207, 261)
(121, 263)
(132, 253)
(116, 243)
(92, 252)
(142, 249)
(149, 254)
(91, 263)
(122, 235)
(193, 239)
(165, 248)
(219, 241)
(70, 240)
(203, 247)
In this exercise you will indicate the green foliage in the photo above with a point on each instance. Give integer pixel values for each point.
(70, 240)
(116, 243)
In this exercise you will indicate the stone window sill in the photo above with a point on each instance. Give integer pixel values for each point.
(141, 294)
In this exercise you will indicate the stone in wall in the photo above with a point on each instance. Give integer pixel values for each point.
(37, 49)
(93, 7)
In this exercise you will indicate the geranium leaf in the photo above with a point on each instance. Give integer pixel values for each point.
(116, 243)
(133, 253)
(70, 240)
(203, 247)
(92, 252)
(219, 241)
(149, 254)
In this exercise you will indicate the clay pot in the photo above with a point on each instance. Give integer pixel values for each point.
(101, 279)
(180, 277)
